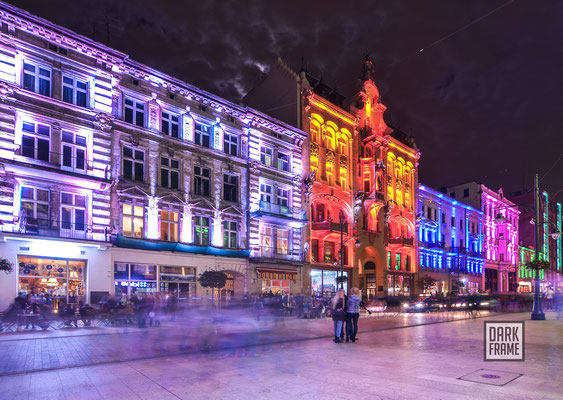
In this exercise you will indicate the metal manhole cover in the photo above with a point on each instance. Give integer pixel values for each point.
(490, 377)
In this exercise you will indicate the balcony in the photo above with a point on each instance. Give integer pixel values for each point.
(276, 213)
(330, 226)
(62, 229)
(269, 252)
(402, 241)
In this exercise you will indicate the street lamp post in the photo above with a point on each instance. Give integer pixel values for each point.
(342, 219)
(537, 311)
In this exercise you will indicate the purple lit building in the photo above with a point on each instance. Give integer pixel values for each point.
(115, 177)
(500, 229)
(450, 244)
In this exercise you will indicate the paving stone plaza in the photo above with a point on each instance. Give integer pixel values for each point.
(413, 356)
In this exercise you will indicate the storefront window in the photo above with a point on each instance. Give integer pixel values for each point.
(398, 285)
(323, 282)
(133, 278)
(178, 280)
(63, 280)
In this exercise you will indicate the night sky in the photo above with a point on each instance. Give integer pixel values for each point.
(484, 104)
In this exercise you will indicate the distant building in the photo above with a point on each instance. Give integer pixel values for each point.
(550, 221)
(500, 227)
(450, 245)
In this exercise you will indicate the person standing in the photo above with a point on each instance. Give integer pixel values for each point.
(353, 314)
(338, 314)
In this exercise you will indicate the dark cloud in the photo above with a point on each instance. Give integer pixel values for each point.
(483, 104)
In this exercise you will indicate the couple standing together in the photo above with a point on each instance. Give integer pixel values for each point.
(346, 310)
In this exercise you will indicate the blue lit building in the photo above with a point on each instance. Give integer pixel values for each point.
(450, 244)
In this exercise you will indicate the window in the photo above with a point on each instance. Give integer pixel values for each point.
(135, 112)
(73, 212)
(169, 173)
(460, 224)
(230, 187)
(37, 79)
(36, 141)
(202, 135)
(230, 144)
(75, 91)
(201, 231)
(283, 197)
(266, 193)
(230, 234)
(329, 249)
(453, 221)
(133, 164)
(266, 241)
(443, 218)
(501, 257)
(74, 151)
(133, 220)
(465, 192)
(282, 241)
(266, 156)
(389, 259)
(169, 226)
(452, 195)
(283, 161)
(398, 261)
(170, 124)
(35, 207)
(202, 182)
(407, 263)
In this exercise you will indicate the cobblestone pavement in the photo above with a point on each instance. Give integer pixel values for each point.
(44, 350)
(418, 362)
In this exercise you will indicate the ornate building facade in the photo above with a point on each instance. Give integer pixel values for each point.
(387, 185)
(118, 178)
(450, 242)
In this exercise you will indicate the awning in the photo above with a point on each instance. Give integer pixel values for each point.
(154, 245)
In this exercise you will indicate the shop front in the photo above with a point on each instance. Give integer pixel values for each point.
(130, 278)
(276, 281)
(63, 280)
(399, 284)
(324, 282)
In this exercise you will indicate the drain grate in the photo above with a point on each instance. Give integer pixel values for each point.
(491, 377)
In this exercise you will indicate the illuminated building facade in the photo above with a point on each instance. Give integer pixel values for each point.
(317, 109)
(450, 244)
(550, 221)
(117, 178)
(500, 227)
(387, 184)
(526, 275)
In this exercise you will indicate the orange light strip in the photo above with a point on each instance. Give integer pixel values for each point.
(332, 111)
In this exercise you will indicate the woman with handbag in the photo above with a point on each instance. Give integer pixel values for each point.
(338, 314)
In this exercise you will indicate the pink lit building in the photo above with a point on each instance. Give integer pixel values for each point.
(500, 230)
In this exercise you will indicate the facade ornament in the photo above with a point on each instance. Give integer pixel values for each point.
(6, 91)
(254, 165)
(306, 94)
(330, 156)
(314, 150)
(380, 164)
(103, 121)
(308, 182)
(344, 163)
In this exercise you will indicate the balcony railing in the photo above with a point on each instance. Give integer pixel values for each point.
(63, 229)
(285, 211)
(330, 226)
(402, 241)
(274, 253)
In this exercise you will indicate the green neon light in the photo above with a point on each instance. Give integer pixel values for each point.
(559, 261)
